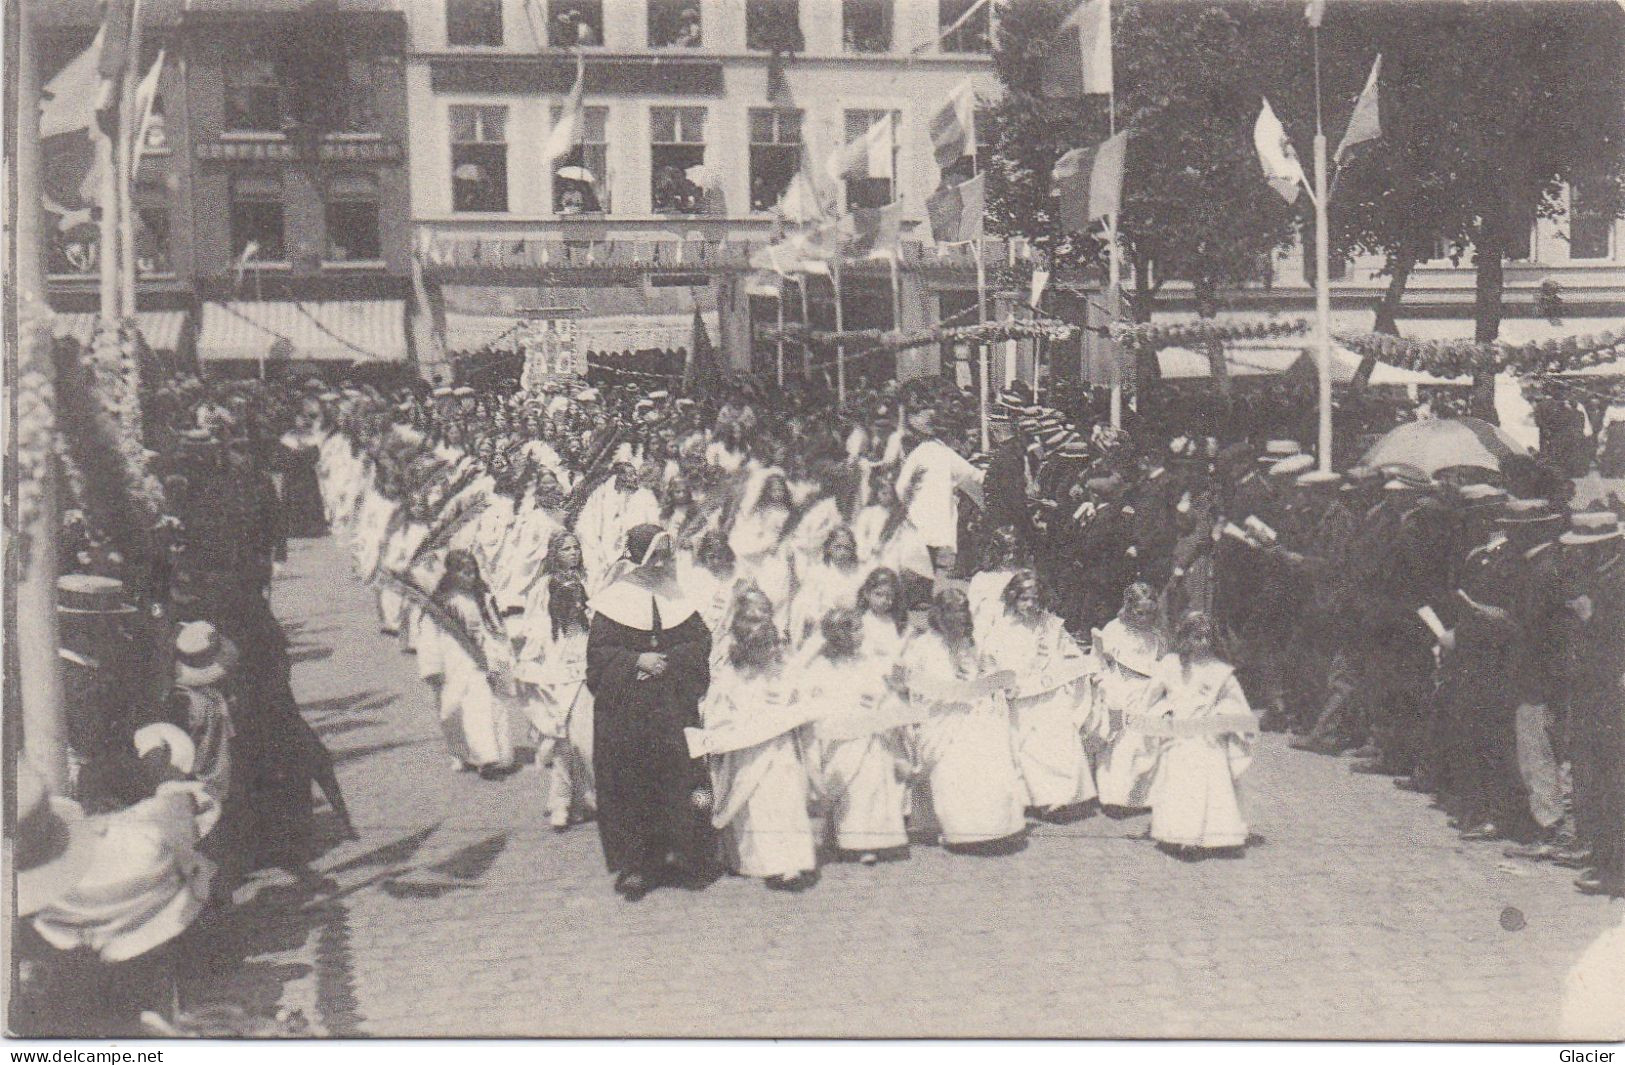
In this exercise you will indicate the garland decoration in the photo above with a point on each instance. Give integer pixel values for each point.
(1154, 336)
(37, 438)
(867, 340)
(1462, 358)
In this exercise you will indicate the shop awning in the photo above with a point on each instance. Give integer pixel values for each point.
(351, 330)
(162, 329)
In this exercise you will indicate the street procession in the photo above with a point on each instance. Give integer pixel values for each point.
(1056, 530)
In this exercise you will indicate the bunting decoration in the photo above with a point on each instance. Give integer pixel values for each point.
(1365, 125)
(1462, 358)
(1089, 182)
(1157, 335)
(956, 211)
(891, 340)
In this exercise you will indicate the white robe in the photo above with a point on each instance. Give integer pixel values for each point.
(933, 501)
(555, 700)
(1129, 759)
(759, 793)
(1194, 801)
(605, 519)
(473, 715)
(964, 748)
(862, 778)
(1045, 707)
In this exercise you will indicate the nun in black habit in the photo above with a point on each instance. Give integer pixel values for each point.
(648, 656)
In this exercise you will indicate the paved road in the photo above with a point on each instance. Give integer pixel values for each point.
(1357, 914)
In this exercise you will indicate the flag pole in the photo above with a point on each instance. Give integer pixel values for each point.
(780, 304)
(981, 318)
(806, 331)
(125, 155)
(1114, 277)
(840, 327)
(896, 251)
(1323, 291)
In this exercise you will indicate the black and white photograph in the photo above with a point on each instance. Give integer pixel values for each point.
(1091, 520)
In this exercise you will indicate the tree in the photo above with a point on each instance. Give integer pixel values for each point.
(1489, 111)
(1189, 79)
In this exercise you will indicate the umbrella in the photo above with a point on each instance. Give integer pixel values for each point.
(1434, 444)
(576, 173)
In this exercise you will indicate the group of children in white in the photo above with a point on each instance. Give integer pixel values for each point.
(824, 698)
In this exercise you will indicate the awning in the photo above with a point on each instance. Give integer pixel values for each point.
(352, 330)
(162, 329)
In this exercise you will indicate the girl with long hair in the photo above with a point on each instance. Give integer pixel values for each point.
(463, 653)
(1127, 651)
(551, 676)
(830, 584)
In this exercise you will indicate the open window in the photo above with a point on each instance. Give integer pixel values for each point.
(257, 218)
(351, 211)
(773, 26)
(676, 149)
(775, 155)
(256, 101)
(675, 24)
(581, 175)
(575, 23)
(866, 25)
(479, 158)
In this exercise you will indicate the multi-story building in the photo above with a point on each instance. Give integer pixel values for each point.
(697, 115)
(271, 199)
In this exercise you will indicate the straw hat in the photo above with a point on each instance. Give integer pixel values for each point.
(1292, 466)
(86, 593)
(52, 846)
(202, 655)
(1592, 527)
(1320, 479)
(1276, 450)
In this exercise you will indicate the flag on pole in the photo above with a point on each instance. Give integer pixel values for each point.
(146, 94)
(1089, 182)
(801, 203)
(566, 132)
(870, 155)
(1365, 125)
(1277, 156)
(111, 61)
(956, 211)
(873, 232)
(953, 127)
(1079, 62)
(70, 167)
(1314, 11)
(1035, 292)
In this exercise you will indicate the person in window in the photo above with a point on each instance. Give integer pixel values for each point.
(688, 33)
(571, 200)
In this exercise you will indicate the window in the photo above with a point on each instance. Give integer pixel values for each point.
(474, 23)
(575, 22)
(152, 231)
(256, 218)
(677, 145)
(355, 111)
(75, 250)
(255, 99)
(773, 25)
(1591, 223)
(775, 155)
(479, 158)
(1520, 242)
(866, 25)
(975, 35)
(352, 219)
(581, 177)
(674, 24)
(861, 189)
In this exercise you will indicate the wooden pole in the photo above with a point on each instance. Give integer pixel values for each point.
(780, 304)
(981, 318)
(840, 327)
(39, 669)
(806, 327)
(1323, 285)
(129, 118)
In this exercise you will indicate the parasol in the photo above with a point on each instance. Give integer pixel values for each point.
(576, 173)
(1434, 444)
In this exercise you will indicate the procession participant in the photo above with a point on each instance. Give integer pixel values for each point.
(551, 673)
(710, 581)
(964, 745)
(863, 761)
(403, 535)
(1595, 552)
(884, 535)
(462, 651)
(1003, 555)
(1025, 639)
(613, 508)
(1196, 705)
(929, 483)
(202, 669)
(758, 540)
(760, 792)
(648, 665)
(833, 583)
(1128, 650)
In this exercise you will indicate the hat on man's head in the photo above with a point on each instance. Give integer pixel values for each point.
(52, 844)
(202, 655)
(88, 593)
(923, 421)
(1592, 527)
(1481, 495)
(462, 392)
(442, 392)
(1320, 479)
(1529, 513)
(1291, 467)
(1276, 450)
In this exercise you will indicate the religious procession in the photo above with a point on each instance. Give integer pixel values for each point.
(922, 573)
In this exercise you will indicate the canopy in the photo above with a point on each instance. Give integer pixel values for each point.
(351, 330)
(1434, 444)
(162, 329)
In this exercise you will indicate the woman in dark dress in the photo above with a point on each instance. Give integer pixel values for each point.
(648, 656)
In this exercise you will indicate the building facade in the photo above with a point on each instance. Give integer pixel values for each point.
(272, 202)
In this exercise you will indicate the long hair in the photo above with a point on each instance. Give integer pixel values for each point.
(550, 564)
(443, 591)
(884, 575)
(755, 643)
(949, 602)
(566, 604)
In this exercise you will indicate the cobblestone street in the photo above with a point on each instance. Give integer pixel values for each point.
(1358, 913)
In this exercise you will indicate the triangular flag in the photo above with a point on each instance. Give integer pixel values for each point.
(146, 94)
(956, 211)
(870, 155)
(1079, 61)
(1089, 182)
(1035, 294)
(953, 127)
(801, 203)
(566, 132)
(873, 232)
(702, 355)
(1365, 124)
(1276, 155)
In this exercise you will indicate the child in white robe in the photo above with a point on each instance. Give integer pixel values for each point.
(965, 743)
(863, 766)
(760, 791)
(551, 670)
(1195, 702)
(1127, 652)
(1022, 637)
(830, 585)
(462, 653)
